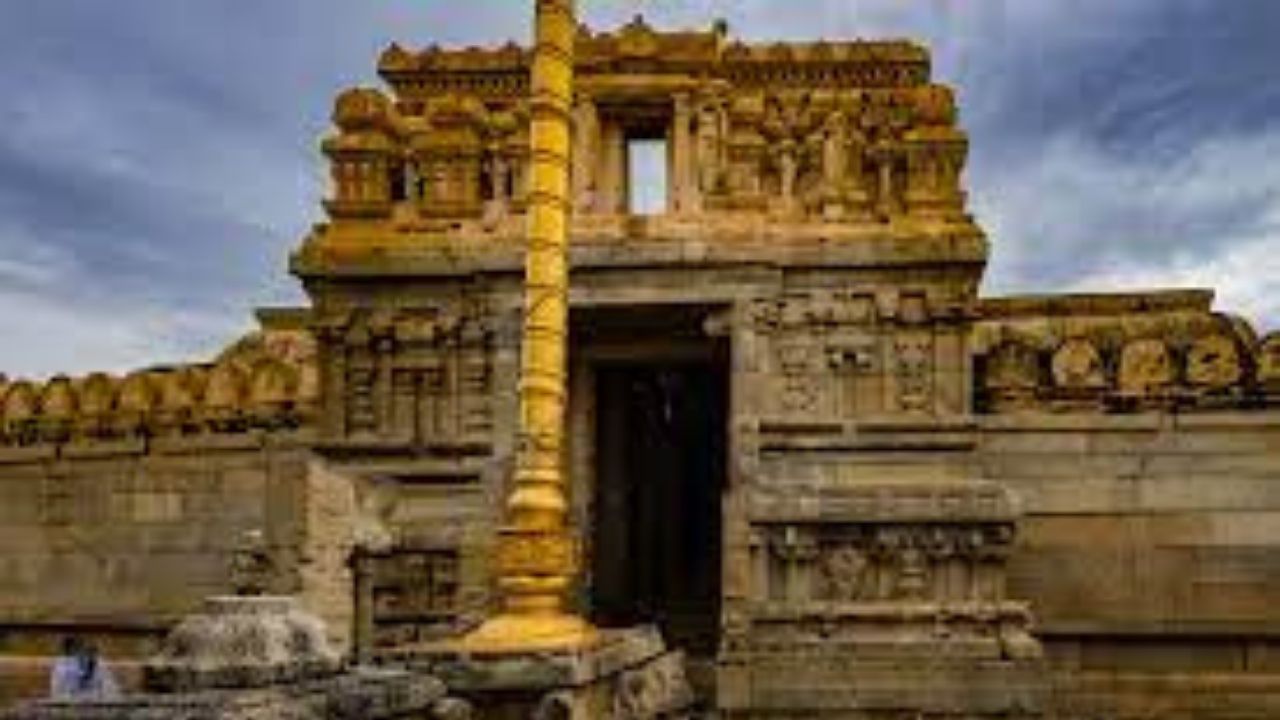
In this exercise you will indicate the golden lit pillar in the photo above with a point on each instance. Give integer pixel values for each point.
(537, 557)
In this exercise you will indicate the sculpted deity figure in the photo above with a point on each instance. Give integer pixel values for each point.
(844, 573)
(834, 152)
(788, 166)
(498, 169)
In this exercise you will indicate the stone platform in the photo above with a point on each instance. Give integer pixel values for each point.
(628, 674)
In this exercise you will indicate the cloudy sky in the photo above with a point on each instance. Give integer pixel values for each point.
(158, 157)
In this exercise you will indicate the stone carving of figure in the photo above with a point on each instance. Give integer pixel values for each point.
(1077, 366)
(844, 573)
(498, 169)
(884, 154)
(788, 166)
(834, 153)
(1145, 365)
(1213, 363)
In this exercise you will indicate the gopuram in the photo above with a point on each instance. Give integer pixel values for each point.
(800, 443)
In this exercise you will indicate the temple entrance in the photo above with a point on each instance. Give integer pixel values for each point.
(660, 468)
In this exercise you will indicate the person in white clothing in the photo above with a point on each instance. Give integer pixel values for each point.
(79, 674)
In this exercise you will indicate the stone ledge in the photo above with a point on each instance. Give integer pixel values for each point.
(617, 650)
(883, 502)
(802, 683)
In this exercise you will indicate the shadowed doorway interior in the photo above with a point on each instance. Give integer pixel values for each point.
(660, 441)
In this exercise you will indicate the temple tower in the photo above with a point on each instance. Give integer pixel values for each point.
(770, 418)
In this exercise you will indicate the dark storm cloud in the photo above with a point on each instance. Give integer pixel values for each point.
(159, 158)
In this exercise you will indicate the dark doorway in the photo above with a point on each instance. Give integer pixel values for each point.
(660, 454)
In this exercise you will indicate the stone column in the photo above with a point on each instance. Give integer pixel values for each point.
(537, 556)
(612, 184)
(682, 197)
(586, 143)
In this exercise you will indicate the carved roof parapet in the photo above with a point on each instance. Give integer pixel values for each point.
(831, 134)
(1118, 352)
(638, 48)
(265, 381)
(880, 64)
(460, 324)
(1082, 304)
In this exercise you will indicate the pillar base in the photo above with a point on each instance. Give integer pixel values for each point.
(625, 673)
(509, 632)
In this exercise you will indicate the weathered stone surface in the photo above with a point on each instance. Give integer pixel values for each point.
(626, 675)
(243, 642)
(360, 694)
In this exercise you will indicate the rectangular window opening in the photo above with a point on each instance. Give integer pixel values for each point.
(646, 176)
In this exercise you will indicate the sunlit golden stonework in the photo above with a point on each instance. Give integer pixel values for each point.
(796, 439)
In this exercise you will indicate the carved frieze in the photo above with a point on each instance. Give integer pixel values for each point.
(838, 354)
(1012, 375)
(1118, 353)
(877, 562)
(420, 376)
(415, 594)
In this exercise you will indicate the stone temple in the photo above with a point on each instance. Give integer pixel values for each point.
(802, 444)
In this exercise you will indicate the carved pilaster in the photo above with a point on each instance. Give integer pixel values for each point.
(682, 194)
(586, 154)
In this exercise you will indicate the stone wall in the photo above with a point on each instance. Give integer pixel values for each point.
(118, 543)
(1150, 542)
(129, 537)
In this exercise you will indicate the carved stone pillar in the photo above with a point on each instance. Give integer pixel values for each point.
(612, 186)
(681, 190)
(884, 156)
(586, 155)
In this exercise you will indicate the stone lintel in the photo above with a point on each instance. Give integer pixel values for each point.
(385, 254)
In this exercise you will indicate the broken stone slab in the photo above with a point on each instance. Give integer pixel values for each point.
(243, 642)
